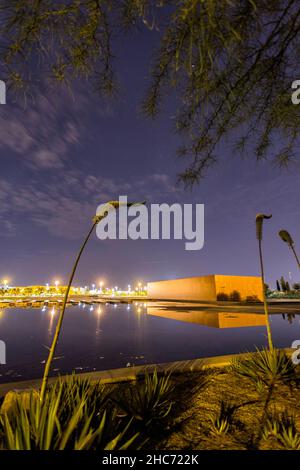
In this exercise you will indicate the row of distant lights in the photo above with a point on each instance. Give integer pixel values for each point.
(99, 310)
(115, 289)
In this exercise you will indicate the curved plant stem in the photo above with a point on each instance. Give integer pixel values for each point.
(264, 297)
(296, 256)
(61, 316)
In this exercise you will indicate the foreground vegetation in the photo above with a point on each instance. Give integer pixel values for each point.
(251, 404)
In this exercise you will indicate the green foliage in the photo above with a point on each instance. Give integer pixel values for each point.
(148, 399)
(282, 426)
(220, 424)
(222, 296)
(283, 284)
(69, 39)
(278, 286)
(252, 298)
(235, 296)
(74, 415)
(229, 64)
(266, 366)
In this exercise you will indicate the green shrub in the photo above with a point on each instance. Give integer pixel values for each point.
(222, 296)
(282, 427)
(75, 414)
(235, 296)
(148, 399)
(220, 424)
(267, 366)
(252, 298)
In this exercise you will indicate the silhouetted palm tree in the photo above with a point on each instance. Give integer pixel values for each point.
(286, 237)
(259, 232)
(105, 210)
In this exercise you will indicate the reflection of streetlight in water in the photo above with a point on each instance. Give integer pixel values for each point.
(52, 313)
(98, 311)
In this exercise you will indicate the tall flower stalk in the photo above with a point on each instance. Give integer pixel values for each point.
(259, 234)
(105, 211)
(286, 237)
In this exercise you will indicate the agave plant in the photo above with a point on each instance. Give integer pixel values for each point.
(220, 424)
(149, 399)
(106, 208)
(259, 234)
(70, 417)
(286, 238)
(265, 366)
(282, 426)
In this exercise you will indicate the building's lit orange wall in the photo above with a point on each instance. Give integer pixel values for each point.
(206, 288)
(246, 286)
(190, 288)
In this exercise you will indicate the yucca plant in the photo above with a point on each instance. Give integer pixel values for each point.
(282, 426)
(149, 399)
(265, 366)
(286, 238)
(70, 417)
(105, 211)
(259, 235)
(220, 424)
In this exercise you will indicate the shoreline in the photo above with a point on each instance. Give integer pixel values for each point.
(129, 374)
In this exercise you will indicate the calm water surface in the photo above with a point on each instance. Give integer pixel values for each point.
(111, 336)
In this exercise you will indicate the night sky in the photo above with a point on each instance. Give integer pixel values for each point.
(63, 155)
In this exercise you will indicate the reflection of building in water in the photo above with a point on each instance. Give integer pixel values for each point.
(208, 288)
(213, 319)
